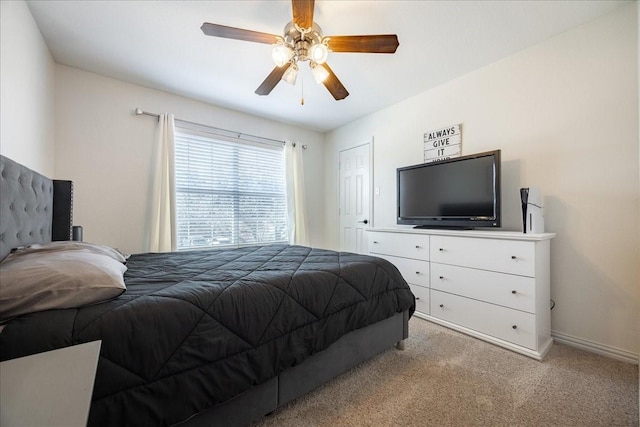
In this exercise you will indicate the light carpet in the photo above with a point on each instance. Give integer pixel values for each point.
(445, 378)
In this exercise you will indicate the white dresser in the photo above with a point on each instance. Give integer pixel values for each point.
(493, 285)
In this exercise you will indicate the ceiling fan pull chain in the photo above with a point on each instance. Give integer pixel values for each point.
(302, 88)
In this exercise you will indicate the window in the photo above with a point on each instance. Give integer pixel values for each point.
(229, 192)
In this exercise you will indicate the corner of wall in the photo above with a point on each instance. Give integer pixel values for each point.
(27, 90)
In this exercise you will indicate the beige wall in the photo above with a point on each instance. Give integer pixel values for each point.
(106, 150)
(26, 90)
(565, 115)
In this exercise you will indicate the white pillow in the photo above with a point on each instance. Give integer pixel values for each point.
(68, 245)
(45, 280)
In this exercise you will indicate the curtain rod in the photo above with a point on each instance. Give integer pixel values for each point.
(139, 112)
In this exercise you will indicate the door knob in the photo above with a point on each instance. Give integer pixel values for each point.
(366, 221)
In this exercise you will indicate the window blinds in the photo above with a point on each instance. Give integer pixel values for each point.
(229, 192)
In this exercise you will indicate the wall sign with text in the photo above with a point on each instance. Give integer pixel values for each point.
(442, 144)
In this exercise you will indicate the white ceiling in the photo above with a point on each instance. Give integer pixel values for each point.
(159, 44)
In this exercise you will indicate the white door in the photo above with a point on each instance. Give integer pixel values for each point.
(355, 198)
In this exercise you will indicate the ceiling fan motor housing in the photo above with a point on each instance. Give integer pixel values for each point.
(300, 39)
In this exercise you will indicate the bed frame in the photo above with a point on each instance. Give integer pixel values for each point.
(33, 208)
(36, 209)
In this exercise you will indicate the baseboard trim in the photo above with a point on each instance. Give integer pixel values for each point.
(581, 343)
(538, 355)
(594, 347)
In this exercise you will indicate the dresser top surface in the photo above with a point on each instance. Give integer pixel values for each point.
(484, 234)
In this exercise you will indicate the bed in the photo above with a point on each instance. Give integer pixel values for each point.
(215, 337)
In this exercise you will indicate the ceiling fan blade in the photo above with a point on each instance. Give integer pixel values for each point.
(272, 80)
(303, 12)
(333, 85)
(382, 43)
(223, 31)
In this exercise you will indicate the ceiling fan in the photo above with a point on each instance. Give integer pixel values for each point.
(303, 41)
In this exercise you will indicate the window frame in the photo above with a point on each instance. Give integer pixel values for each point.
(272, 203)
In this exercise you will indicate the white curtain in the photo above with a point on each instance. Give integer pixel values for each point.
(296, 205)
(162, 233)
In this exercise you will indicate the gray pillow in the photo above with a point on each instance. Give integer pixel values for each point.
(45, 280)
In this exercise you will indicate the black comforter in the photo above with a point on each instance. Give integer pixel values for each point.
(195, 329)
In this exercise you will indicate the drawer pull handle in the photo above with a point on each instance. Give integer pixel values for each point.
(417, 298)
(441, 277)
(417, 272)
(375, 243)
(515, 326)
(514, 292)
(513, 257)
(441, 305)
(418, 246)
(441, 250)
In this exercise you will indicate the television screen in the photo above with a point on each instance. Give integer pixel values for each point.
(461, 192)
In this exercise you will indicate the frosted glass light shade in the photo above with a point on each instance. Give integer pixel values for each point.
(318, 53)
(319, 72)
(281, 54)
(291, 74)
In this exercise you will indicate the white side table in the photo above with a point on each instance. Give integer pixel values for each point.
(49, 389)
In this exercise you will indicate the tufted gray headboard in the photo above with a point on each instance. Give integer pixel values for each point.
(33, 208)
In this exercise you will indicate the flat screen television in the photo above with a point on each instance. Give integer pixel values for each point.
(462, 192)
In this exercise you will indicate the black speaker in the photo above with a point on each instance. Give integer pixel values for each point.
(77, 233)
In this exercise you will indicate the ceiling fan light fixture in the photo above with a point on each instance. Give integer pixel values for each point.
(281, 54)
(318, 53)
(302, 40)
(319, 72)
(291, 74)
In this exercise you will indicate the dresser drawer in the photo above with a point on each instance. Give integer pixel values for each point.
(518, 292)
(399, 244)
(506, 324)
(414, 271)
(506, 256)
(422, 298)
